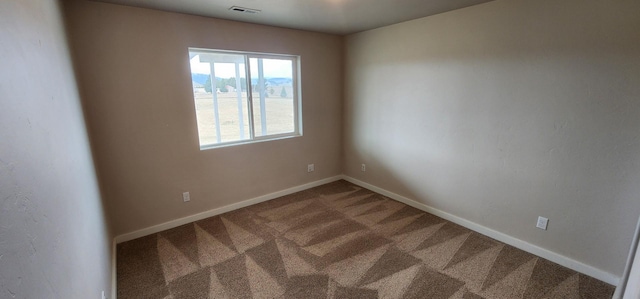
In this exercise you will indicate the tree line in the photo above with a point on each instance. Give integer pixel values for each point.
(221, 84)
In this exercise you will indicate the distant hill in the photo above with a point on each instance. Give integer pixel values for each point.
(199, 78)
(273, 81)
(202, 79)
(279, 81)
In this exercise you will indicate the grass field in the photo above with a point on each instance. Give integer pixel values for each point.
(279, 117)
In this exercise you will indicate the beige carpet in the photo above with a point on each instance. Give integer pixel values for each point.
(337, 241)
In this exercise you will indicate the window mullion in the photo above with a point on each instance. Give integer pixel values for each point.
(249, 97)
(214, 89)
(263, 104)
(239, 96)
(297, 104)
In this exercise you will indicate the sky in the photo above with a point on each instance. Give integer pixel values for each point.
(273, 68)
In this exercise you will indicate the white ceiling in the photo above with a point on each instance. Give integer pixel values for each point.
(330, 16)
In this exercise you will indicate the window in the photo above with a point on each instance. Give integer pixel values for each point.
(244, 97)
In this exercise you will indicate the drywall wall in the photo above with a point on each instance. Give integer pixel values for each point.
(503, 112)
(133, 70)
(54, 241)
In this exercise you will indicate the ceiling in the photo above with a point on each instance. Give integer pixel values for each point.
(330, 16)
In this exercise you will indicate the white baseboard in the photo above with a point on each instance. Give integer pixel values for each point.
(528, 247)
(181, 221)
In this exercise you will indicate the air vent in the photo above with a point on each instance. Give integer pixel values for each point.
(244, 9)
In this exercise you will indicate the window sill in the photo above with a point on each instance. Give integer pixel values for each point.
(243, 142)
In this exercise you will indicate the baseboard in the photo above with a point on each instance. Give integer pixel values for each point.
(528, 247)
(217, 211)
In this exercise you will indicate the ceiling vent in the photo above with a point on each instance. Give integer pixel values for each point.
(244, 9)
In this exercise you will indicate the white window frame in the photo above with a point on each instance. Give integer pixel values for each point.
(297, 99)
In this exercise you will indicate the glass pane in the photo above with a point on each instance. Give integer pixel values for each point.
(273, 98)
(220, 94)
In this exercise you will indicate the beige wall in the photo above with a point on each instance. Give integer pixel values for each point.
(54, 241)
(133, 68)
(504, 111)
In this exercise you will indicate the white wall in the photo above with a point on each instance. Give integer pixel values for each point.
(504, 111)
(54, 241)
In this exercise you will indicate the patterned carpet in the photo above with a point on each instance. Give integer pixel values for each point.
(337, 241)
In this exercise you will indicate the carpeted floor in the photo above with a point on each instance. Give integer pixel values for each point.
(337, 241)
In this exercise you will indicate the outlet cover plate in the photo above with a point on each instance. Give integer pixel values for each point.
(542, 223)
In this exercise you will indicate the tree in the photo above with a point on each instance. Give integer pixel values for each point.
(207, 85)
(283, 93)
(221, 83)
(232, 82)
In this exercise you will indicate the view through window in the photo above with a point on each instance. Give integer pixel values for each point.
(243, 97)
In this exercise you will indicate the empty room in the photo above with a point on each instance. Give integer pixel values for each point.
(319, 149)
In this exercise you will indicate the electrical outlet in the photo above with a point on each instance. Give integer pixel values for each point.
(104, 296)
(311, 168)
(542, 223)
(186, 197)
(363, 167)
